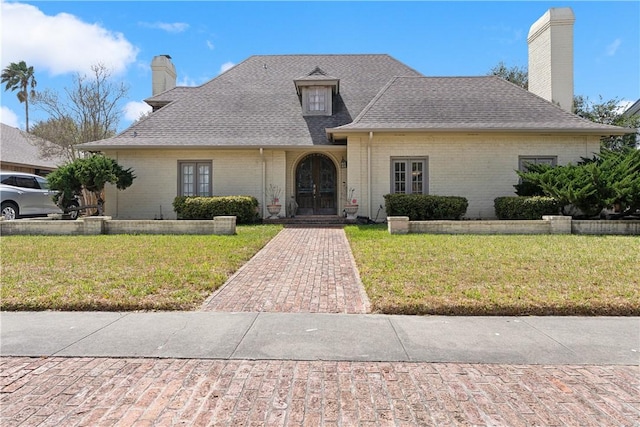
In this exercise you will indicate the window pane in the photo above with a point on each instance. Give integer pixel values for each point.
(416, 177)
(526, 161)
(316, 99)
(204, 180)
(188, 180)
(42, 182)
(400, 177)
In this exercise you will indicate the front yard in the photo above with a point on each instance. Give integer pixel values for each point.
(410, 274)
(506, 275)
(121, 272)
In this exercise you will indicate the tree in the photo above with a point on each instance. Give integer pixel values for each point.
(610, 179)
(608, 113)
(90, 174)
(516, 75)
(20, 76)
(63, 131)
(89, 111)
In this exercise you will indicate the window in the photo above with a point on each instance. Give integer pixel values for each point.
(195, 178)
(534, 160)
(409, 176)
(316, 100)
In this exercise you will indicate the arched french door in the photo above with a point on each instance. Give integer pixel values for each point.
(316, 186)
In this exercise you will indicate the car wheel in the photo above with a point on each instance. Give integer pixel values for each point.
(73, 214)
(10, 210)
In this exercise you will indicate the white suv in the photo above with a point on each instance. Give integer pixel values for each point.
(25, 194)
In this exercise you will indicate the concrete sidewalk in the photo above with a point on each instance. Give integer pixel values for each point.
(335, 337)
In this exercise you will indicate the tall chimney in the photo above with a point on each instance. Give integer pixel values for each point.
(163, 74)
(551, 57)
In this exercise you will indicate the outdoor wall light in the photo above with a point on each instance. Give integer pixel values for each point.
(343, 163)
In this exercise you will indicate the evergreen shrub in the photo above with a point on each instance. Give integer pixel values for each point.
(419, 207)
(244, 208)
(525, 207)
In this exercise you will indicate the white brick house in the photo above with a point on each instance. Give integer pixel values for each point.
(319, 125)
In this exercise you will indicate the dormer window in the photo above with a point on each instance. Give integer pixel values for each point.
(316, 100)
(316, 92)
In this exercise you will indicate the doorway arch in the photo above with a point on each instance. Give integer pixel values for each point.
(316, 185)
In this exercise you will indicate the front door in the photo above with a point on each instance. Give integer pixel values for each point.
(316, 189)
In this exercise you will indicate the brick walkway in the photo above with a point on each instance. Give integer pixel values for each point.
(307, 270)
(172, 392)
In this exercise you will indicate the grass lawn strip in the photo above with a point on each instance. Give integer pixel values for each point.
(498, 274)
(410, 274)
(121, 272)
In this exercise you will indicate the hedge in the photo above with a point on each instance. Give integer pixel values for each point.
(419, 207)
(525, 207)
(244, 208)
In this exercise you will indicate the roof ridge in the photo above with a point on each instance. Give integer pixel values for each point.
(375, 98)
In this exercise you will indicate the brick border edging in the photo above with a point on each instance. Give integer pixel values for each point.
(95, 225)
(549, 224)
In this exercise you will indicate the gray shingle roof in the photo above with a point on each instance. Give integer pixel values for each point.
(19, 147)
(486, 103)
(255, 104)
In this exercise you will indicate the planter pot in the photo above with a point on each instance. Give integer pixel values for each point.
(274, 210)
(351, 211)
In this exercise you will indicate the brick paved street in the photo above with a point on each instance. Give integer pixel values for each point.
(169, 392)
(307, 270)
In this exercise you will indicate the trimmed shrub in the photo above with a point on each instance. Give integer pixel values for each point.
(244, 208)
(525, 207)
(419, 207)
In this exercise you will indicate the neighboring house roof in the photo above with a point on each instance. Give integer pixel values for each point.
(477, 104)
(633, 109)
(256, 104)
(21, 148)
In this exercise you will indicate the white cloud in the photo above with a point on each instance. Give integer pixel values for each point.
(613, 47)
(186, 81)
(210, 45)
(623, 105)
(227, 65)
(135, 109)
(8, 117)
(62, 43)
(170, 27)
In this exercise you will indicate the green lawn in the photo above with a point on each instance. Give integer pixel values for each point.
(506, 275)
(137, 272)
(410, 274)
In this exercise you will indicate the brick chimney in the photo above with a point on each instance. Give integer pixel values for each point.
(551, 57)
(163, 74)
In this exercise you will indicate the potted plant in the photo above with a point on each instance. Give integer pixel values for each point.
(351, 206)
(274, 205)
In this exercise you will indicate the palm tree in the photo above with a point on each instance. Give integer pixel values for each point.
(19, 76)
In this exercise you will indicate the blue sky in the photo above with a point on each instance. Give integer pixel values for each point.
(204, 38)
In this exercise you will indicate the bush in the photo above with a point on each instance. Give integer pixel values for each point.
(609, 178)
(525, 207)
(244, 208)
(420, 207)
